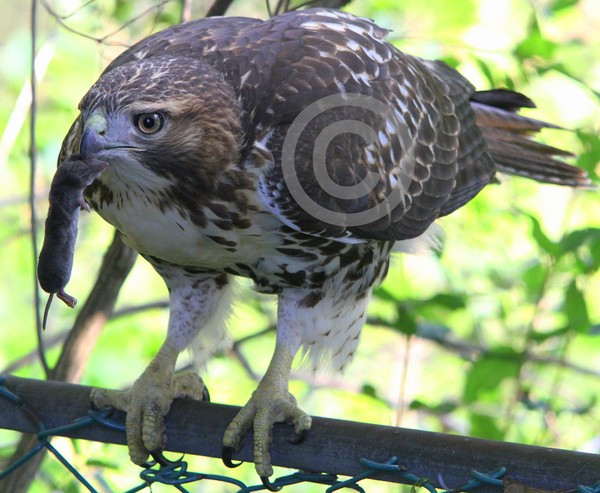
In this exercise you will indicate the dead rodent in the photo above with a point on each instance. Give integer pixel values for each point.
(66, 199)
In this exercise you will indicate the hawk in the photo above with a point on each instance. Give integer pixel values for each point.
(299, 152)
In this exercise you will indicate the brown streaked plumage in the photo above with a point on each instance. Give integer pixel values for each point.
(298, 152)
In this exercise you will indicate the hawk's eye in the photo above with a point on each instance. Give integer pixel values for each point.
(149, 123)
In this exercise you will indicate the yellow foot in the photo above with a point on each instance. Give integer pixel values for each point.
(267, 406)
(270, 403)
(146, 404)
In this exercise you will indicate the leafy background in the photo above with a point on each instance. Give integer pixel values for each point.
(497, 335)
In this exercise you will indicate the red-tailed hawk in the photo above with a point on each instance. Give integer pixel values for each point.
(299, 152)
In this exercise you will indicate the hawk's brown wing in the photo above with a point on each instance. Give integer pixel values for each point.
(365, 139)
(388, 127)
(366, 142)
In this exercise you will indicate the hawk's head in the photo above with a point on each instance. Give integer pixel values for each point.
(165, 116)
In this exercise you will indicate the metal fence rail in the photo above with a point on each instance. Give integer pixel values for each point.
(334, 447)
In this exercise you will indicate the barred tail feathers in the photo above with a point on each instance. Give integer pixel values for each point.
(509, 140)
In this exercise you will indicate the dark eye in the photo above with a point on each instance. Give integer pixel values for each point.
(149, 123)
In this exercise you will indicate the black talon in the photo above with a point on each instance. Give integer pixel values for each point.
(267, 484)
(227, 456)
(205, 394)
(160, 459)
(299, 438)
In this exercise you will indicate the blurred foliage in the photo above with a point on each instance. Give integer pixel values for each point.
(497, 335)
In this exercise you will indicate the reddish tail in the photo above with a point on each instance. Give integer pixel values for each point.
(509, 140)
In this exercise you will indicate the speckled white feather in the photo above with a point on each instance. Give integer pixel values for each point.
(327, 332)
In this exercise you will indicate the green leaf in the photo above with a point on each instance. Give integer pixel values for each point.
(576, 309)
(541, 239)
(534, 277)
(450, 60)
(488, 372)
(406, 322)
(486, 71)
(385, 294)
(588, 159)
(485, 427)
(548, 334)
(369, 390)
(595, 254)
(103, 463)
(585, 244)
(536, 45)
(123, 10)
(447, 300)
(443, 408)
(576, 239)
(563, 4)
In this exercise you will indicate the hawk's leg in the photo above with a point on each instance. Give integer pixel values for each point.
(270, 403)
(325, 322)
(148, 401)
(195, 302)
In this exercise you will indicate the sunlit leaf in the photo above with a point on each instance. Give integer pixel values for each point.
(385, 294)
(445, 407)
(123, 10)
(452, 301)
(489, 371)
(486, 71)
(536, 45)
(406, 322)
(590, 157)
(485, 426)
(578, 238)
(540, 237)
(576, 308)
(534, 276)
(585, 243)
(369, 390)
(548, 334)
(563, 4)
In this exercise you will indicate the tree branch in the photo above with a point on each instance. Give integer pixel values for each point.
(219, 7)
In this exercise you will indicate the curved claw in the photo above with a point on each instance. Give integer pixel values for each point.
(227, 457)
(299, 438)
(109, 410)
(267, 484)
(205, 394)
(160, 459)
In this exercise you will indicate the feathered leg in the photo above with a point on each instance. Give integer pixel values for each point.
(194, 301)
(325, 323)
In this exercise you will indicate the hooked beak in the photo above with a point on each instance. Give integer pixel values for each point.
(93, 139)
(91, 143)
(95, 143)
